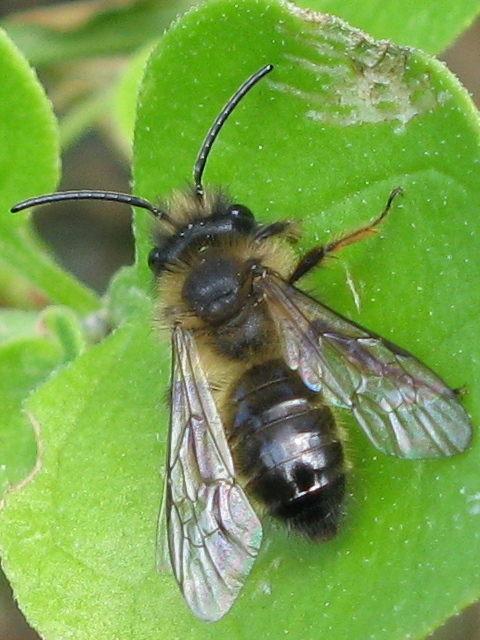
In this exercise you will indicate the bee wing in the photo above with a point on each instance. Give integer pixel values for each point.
(403, 407)
(213, 533)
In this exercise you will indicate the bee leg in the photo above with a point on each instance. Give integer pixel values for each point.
(315, 256)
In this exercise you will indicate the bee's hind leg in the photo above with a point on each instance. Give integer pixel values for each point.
(315, 256)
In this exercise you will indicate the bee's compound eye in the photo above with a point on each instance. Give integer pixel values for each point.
(243, 218)
(156, 260)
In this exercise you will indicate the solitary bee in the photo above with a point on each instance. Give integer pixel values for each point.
(257, 367)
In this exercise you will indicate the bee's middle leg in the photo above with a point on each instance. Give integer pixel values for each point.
(315, 256)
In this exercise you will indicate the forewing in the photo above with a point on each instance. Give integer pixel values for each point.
(403, 407)
(213, 533)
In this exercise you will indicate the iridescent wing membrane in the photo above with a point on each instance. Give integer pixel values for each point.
(403, 407)
(213, 533)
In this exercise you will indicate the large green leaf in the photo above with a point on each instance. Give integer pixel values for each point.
(89, 462)
(340, 122)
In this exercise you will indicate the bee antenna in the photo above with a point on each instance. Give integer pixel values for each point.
(218, 124)
(113, 196)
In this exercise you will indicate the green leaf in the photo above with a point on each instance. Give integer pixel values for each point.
(32, 346)
(22, 365)
(29, 157)
(341, 121)
(97, 425)
(16, 324)
(427, 24)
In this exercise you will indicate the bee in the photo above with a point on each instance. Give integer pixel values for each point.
(258, 369)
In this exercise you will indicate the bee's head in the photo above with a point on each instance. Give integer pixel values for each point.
(200, 225)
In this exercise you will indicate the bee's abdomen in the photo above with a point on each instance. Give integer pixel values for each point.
(285, 444)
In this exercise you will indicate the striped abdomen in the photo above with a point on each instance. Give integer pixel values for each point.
(285, 444)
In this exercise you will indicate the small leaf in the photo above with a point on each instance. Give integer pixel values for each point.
(24, 363)
(29, 152)
(32, 346)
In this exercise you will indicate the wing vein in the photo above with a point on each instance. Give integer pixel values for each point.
(405, 409)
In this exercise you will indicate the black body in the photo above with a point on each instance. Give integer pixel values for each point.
(285, 444)
(283, 438)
